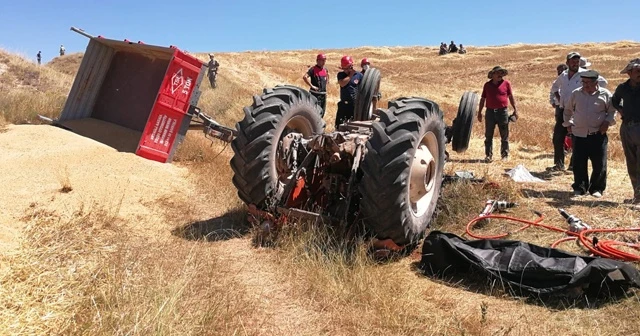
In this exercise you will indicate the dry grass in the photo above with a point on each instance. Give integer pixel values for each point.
(29, 90)
(93, 273)
(65, 181)
(87, 275)
(67, 64)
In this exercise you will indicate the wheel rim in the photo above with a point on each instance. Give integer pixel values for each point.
(296, 124)
(422, 177)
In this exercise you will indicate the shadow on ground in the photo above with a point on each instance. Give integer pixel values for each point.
(233, 224)
(476, 282)
(543, 156)
(564, 198)
(467, 160)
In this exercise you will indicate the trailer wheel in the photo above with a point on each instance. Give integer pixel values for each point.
(274, 114)
(368, 91)
(463, 123)
(402, 171)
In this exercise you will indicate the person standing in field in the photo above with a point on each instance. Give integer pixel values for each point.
(587, 114)
(497, 94)
(566, 82)
(212, 71)
(39, 57)
(348, 79)
(626, 100)
(317, 77)
(62, 50)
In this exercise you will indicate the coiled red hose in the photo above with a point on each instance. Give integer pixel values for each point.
(601, 247)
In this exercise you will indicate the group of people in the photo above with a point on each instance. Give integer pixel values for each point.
(39, 54)
(452, 48)
(317, 77)
(584, 111)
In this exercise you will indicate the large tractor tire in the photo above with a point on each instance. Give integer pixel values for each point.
(402, 171)
(463, 123)
(368, 90)
(274, 114)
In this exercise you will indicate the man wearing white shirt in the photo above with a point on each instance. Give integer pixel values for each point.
(588, 113)
(562, 88)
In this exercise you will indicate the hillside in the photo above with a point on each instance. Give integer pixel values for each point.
(96, 241)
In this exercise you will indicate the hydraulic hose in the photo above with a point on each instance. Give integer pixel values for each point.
(600, 247)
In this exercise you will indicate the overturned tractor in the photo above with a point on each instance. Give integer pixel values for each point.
(383, 169)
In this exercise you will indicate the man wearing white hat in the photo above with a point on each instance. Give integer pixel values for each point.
(562, 88)
(588, 113)
(626, 99)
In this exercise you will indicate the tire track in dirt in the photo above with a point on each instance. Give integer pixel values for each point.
(280, 311)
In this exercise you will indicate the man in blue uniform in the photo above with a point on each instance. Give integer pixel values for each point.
(348, 79)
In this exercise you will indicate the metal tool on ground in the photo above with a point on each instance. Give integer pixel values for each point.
(492, 205)
(575, 223)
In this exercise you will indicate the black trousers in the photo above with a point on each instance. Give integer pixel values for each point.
(499, 117)
(559, 133)
(345, 112)
(592, 148)
(630, 137)
(322, 101)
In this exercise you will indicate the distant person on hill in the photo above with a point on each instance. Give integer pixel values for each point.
(348, 79)
(443, 48)
(453, 48)
(62, 50)
(317, 78)
(497, 94)
(566, 82)
(39, 57)
(626, 99)
(462, 50)
(212, 71)
(587, 114)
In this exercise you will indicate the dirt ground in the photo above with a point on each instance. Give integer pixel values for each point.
(38, 161)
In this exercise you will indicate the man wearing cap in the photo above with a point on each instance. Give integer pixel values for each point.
(319, 78)
(566, 82)
(588, 113)
(348, 80)
(497, 94)
(626, 99)
(212, 73)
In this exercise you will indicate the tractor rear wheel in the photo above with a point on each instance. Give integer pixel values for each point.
(368, 91)
(402, 171)
(276, 113)
(463, 123)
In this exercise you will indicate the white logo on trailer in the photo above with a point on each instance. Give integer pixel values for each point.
(176, 81)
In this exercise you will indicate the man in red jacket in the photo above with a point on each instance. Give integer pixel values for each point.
(497, 94)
